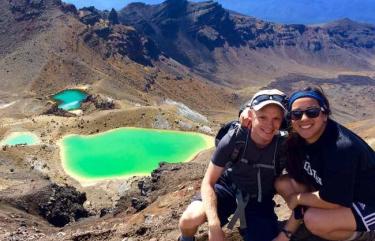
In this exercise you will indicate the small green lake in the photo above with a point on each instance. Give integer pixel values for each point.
(70, 99)
(16, 138)
(127, 152)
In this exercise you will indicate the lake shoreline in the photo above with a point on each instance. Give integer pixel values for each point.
(90, 181)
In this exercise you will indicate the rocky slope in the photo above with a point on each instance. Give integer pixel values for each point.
(351, 97)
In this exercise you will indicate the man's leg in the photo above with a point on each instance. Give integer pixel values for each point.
(195, 215)
(261, 221)
(191, 219)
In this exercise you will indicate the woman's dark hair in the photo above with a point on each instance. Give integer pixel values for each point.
(314, 92)
(295, 144)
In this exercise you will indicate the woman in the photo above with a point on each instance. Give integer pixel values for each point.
(331, 174)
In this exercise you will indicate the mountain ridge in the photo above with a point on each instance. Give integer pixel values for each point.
(205, 30)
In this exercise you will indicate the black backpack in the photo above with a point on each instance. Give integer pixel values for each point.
(225, 129)
(236, 155)
(240, 144)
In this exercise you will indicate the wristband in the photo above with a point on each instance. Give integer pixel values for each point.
(287, 233)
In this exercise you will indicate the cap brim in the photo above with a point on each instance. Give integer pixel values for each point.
(268, 102)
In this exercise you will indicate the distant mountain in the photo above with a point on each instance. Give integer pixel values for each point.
(47, 46)
(307, 11)
(235, 49)
(193, 52)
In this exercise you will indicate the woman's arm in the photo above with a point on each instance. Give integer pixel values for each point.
(310, 199)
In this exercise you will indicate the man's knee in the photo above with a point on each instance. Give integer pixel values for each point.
(187, 221)
(192, 218)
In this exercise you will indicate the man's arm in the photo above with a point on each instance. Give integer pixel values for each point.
(210, 201)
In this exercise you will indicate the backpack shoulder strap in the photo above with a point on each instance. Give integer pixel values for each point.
(240, 140)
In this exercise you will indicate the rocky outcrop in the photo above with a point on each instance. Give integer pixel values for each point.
(69, 8)
(97, 102)
(121, 41)
(59, 205)
(62, 205)
(89, 15)
(25, 10)
(113, 17)
(162, 181)
(53, 109)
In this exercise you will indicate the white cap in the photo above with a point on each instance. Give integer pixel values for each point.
(274, 97)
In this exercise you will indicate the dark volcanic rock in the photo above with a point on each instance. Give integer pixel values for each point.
(69, 8)
(26, 9)
(99, 102)
(120, 40)
(139, 203)
(89, 15)
(102, 30)
(62, 205)
(53, 109)
(59, 205)
(113, 17)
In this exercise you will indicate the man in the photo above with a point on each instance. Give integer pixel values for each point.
(248, 180)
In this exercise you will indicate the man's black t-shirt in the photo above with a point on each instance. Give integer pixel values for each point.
(254, 164)
(341, 166)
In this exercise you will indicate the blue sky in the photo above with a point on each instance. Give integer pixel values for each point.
(283, 11)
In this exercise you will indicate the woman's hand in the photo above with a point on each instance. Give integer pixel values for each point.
(293, 201)
(245, 118)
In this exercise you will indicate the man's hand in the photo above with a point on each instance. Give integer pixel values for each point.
(215, 233)
(245, 118)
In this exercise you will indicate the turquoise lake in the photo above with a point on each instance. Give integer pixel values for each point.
(16, 138)
(70, 99)
(127, 152)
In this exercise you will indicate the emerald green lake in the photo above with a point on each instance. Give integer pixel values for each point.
(70, 99)
(127, 152)
(16, 138)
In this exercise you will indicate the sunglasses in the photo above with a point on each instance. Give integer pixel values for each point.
(261, 98)
(312, 112)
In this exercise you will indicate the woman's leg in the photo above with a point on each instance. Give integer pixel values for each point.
(332, 224)
(286, 186)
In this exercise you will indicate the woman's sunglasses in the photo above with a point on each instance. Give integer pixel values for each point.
(310, 112)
